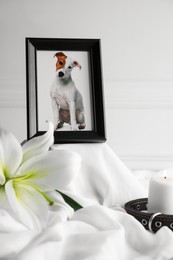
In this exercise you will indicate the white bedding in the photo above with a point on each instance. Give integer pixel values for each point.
(102, 230)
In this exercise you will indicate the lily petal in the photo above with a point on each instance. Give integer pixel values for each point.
(30, 207)
(2, 177)
(60, 211)
(10, 154)
(52, 170)
(59, 202)
(2, 196)
(38, 144)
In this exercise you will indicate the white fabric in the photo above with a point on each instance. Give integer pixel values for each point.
(102, 230)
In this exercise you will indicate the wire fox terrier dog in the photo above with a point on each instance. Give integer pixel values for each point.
(67, 102)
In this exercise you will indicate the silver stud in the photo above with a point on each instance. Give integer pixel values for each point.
(138, 207)
(158, 224)
(171, 225)
(144, 222)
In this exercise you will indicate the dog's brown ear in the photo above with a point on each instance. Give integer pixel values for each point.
(77, 64)
(60, 54)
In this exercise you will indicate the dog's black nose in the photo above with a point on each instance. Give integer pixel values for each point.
(60, 74)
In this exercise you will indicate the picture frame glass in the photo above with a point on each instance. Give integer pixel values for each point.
(46, 73)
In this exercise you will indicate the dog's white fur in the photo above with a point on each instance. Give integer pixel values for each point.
(65, 95)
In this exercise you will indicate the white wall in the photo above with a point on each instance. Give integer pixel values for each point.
(137, 57)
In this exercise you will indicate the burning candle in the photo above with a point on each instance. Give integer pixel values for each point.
(160, 197)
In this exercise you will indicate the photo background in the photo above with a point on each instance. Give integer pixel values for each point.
(45, 76)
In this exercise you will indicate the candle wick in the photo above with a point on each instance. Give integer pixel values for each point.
(165, 177)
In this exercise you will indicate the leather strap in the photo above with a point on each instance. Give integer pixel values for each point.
(151, 221)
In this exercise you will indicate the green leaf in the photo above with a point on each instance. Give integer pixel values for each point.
(72, 203)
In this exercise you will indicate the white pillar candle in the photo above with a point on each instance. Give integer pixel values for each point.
(160, 197)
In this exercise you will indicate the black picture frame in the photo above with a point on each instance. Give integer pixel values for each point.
(92, 47)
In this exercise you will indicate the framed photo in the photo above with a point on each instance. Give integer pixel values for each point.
(64, 85)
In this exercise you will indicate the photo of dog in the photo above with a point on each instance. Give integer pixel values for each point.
(66, 100)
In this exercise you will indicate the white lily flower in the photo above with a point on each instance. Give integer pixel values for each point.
(38, 145)
(30, 173)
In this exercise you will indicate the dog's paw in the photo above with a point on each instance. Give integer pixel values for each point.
(82, 126)
(60, 124)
